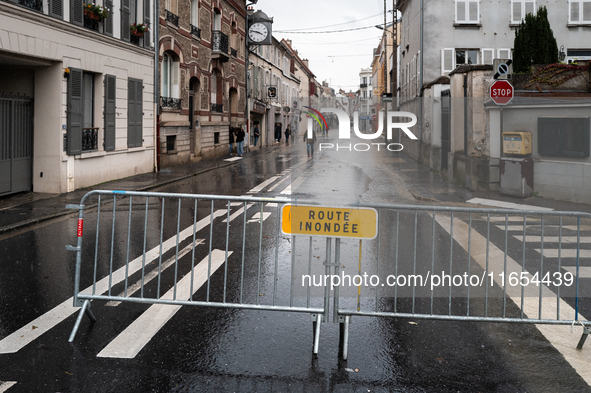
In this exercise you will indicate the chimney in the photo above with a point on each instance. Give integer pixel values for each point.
(305, 61)
(250, 11)
(288, 42)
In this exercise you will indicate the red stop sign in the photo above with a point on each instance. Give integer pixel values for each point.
(501, 92)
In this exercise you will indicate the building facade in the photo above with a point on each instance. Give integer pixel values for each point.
(76, 93)
(365, 98)
(202, 78)
(272, 72)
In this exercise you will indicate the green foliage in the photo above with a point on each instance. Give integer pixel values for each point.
(534, 42)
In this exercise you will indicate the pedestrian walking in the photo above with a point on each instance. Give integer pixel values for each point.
(287, 133)
(277, 132)
(231, 140)
(310, 143)
(256, 133)
(240, 141)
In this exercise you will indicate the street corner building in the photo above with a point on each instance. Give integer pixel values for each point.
(202, 76)
(77, 103)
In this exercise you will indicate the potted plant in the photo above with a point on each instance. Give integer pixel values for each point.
(96, 12)
(138, 30)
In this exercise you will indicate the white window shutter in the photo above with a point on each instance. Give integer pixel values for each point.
(447, 60)
(487, 55)
(175, 79)
(587, 11)
(574, 11)
(460, 11)
(504, 53)
(516, 12)
(530, 7)
(474, 11)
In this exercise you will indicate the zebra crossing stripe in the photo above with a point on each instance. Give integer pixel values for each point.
(131, 341)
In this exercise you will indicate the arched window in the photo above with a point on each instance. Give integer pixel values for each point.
(170, 76)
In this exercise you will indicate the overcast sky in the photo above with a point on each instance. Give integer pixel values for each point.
(352, 50)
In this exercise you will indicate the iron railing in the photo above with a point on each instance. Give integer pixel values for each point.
(217, 108)
(90, 139)
(172, 18)
(196, 31)
(233, 52)
(220, 42)
(36, 5)
(168, 102)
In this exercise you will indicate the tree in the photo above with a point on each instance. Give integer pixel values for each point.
(534, 42)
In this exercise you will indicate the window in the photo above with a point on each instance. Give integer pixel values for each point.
(504, 53)
(487, 56)
(81, 133)
(467, 11)
(195, 13)
(170, 76)
(520, 8)
(170, 143)
(216, 91)
(135, 99)
(465, 56)
(563, 137)
(579, 11)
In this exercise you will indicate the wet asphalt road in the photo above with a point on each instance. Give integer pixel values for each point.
(218, 349)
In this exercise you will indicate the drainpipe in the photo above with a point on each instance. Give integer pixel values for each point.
(157, 80)
(421, 86)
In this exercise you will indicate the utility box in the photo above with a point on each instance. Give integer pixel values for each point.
(517, 143)
(517, 176)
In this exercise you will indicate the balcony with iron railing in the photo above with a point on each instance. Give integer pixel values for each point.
(363, 85)
(217, 108)
(35, 5)
(90, 139)
(172, 18)
(220, 46)
(234, 52)
(171, 103)
(196, 31)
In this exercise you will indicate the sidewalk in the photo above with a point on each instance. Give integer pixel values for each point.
(20, 210)
(426, 186)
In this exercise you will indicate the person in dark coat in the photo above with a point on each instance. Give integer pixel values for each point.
(277, 132)
(240, 141)
(287, 133)
(231, 139)
(256, 133)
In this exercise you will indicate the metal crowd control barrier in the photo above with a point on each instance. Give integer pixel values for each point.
(519, 266)
(426, 262)
(140, 239)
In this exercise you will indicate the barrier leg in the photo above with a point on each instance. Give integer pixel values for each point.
(318, 322)
(344, 337)
(586, 332)
(84, 310)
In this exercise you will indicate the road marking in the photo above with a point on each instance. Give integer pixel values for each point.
(546, 226)
(553, 239)
(565, 253)
(264, 184)
(563, 338)
(131, 341)
(257, 217)
(238, 212)
(154, 273)
(506, 205)
(296, 183)
(233, 159)
(31, 331)
(584, 271)
(4, 386)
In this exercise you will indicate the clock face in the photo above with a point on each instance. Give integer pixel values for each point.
(258, 32)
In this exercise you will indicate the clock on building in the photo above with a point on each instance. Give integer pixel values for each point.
(258, 32)
(259, 29)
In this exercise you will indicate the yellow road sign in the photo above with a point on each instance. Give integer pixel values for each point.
(352, 222)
